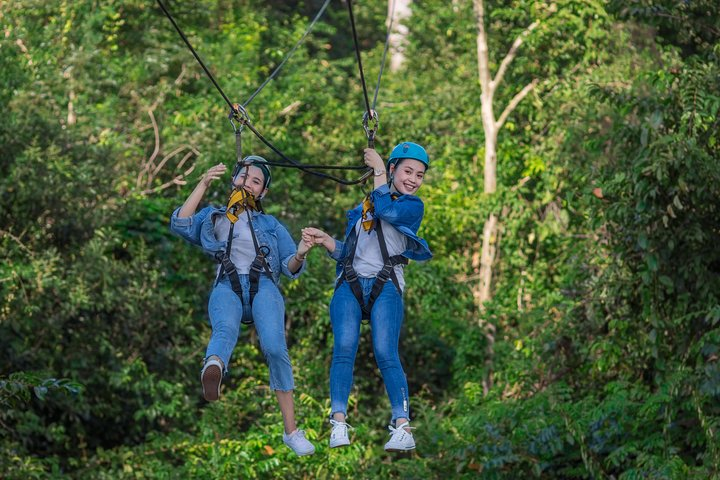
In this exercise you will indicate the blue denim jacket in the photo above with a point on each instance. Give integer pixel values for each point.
(405, 213)
(199, 230)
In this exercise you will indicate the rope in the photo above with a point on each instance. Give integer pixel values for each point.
(304, 168)
(240, 114)
(359, 60)
(197, 57)
(289, 54)
(387, 44)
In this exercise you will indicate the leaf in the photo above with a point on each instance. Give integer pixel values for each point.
(40, 392)
(652, 262)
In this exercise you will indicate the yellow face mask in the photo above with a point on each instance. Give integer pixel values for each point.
(239, 201)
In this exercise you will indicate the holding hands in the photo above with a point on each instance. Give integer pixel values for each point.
(314, 236)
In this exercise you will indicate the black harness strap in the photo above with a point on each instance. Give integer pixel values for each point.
(257, 267)
(387, 272)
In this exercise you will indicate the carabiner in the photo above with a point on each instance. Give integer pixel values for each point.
(239, 114)
(370, 132)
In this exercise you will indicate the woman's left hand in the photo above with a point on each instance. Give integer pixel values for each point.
(303, 248)
(373, 160)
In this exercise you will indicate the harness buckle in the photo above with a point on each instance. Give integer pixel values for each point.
(228, 265)
(349, 271)
(385, 271)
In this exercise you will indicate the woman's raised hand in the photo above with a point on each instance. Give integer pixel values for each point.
(213, 173)
(373, 160)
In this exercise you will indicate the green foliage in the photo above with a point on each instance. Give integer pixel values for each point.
(605, 308)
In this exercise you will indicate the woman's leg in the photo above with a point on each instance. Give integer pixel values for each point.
(269, 315)
(345, 316)
(386, 321)
(225, 312)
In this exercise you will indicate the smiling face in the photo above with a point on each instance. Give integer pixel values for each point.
(252, 180)
(408, 174)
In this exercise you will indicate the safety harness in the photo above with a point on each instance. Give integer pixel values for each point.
(241, 201)
(387, 272)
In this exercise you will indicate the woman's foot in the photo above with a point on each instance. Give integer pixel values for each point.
(298, 443)
(401, 439)
(339, 434)
(211, 378)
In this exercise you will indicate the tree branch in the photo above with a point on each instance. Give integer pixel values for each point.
(511, 54)
(149, 163)
(514, 103)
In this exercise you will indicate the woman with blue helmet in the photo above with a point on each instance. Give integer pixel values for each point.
(252, 249)
(380, 238)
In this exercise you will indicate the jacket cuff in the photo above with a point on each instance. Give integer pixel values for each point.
(176, 221)
(286, 268)
(337, 253)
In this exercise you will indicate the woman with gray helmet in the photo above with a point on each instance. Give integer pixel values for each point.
(380, 238)
(252, 249)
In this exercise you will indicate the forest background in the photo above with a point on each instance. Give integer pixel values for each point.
(591, 349)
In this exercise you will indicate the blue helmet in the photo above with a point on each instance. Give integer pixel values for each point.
(408, 150)
(259, 162)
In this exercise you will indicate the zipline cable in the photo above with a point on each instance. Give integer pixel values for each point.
(289, 54)
(359, 60)
(197, 57)
(239, 113)
(385, 50)
(370, 114)
(304, 168)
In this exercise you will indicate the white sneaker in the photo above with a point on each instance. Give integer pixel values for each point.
(400, 439)
(211, 379)
(299, 444)
(339, 434)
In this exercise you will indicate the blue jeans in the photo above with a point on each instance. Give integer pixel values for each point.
(386, 320)
(225, 311)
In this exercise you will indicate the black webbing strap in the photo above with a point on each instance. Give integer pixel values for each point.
(388, 270)
(386, 273)
(258, 266)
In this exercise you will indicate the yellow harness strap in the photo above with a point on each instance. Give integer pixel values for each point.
(239, 201)
(368, 208)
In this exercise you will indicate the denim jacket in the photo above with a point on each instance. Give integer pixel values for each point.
(405, 213)
(198, 230)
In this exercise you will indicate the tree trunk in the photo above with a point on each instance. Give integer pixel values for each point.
(398, 11)
(489, 244)
(491, 127)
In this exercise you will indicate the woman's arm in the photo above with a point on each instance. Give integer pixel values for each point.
(298, 259)
(374, 161)
(405, 211)
(190, 206)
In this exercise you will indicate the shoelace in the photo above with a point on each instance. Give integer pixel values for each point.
(335, 423)
(401, 429)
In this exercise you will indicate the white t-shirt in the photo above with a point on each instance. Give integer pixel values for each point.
(368, 259)
(243, 249)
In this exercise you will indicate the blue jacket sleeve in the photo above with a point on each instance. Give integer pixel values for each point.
(189, 228)
(287, 249)
(337, 253)
(406, 211)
